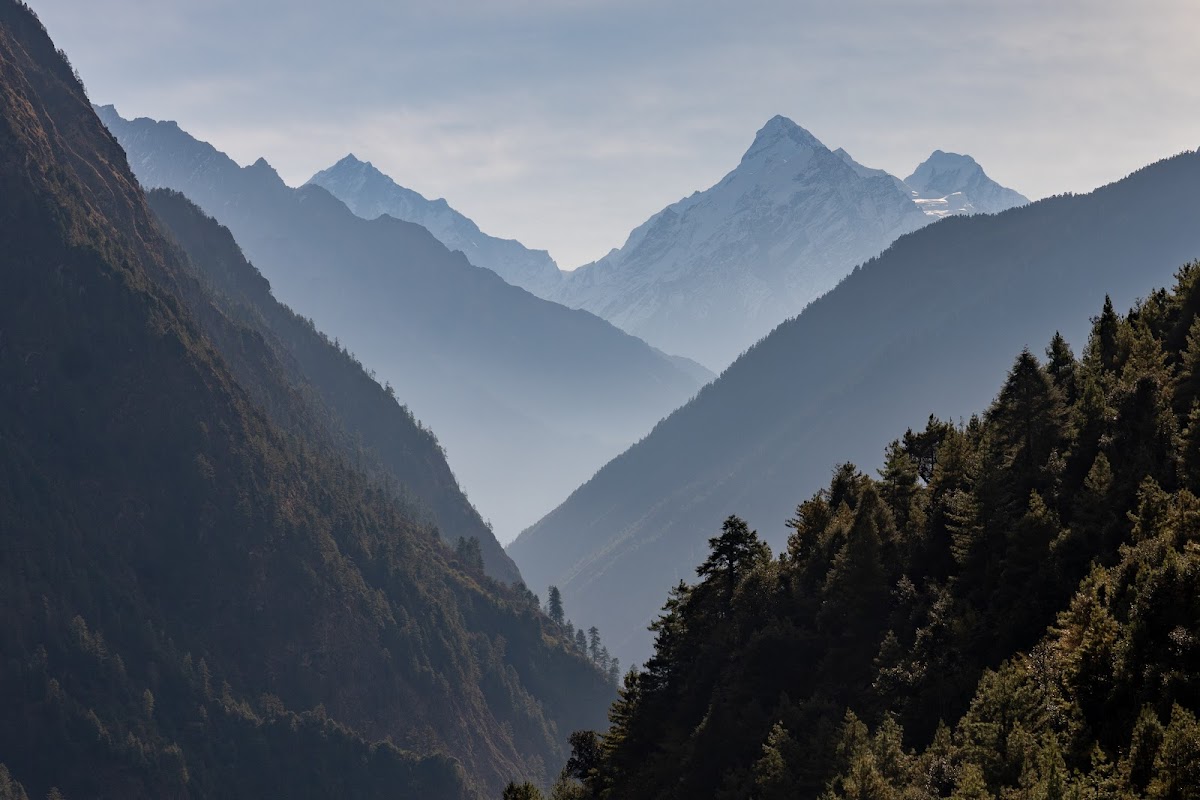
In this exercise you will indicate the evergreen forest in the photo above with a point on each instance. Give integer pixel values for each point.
(1008, 609)
(211, 587)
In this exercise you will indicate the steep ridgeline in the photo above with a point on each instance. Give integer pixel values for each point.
(369, 193)
(1014, 597)
(708, 276)
(363, 420)
(923, 327)
(200, 602)
(528, 397)
(711, 274)
(948, 183)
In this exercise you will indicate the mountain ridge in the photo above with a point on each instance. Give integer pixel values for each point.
(712, 273)
(369, 193)
(504, 377)
(778, 411)
(202, 603)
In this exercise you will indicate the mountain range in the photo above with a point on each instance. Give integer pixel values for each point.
(918, 329)
(528, 397)
(708, 276)
(210, 588)
(370, 194)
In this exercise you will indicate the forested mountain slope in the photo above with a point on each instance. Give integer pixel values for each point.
(924, 327)
(528, 397)
(1009, 610)
(200, 602)
(333, 393)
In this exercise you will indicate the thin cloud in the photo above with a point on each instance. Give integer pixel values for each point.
(565, 124)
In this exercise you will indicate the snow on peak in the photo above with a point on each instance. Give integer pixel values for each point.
(944, 172)
(953, 183)
(781, 135)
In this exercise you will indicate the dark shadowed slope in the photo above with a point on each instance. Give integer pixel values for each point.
(528, 397)
(922, 328)
(198, 602)
(1011, 605)
(364, 421)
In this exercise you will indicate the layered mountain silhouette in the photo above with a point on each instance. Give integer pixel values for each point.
(207, 591)
(922, 327)
(528, 397)
(711, 274)
(946, 184)
(369, 193)
(330, 391)
(708, 276)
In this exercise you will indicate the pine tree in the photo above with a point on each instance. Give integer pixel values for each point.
(594, 644)
(1062, 367)
(1103, 346)
(521, 791)
(731, 555)
(554, 604)
(773, 776)
(469, 553)
(1026, 421)
(1177, 765)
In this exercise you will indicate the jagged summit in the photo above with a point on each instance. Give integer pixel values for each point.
(953, 183)
(781, 134)
(711, 274)
(944, 171)
(350, 160)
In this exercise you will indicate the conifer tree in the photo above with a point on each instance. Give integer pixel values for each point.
(594, 644)
(731, 555)
(554, 604)
(1061, 367)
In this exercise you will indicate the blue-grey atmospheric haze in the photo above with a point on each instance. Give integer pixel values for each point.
(565, 123)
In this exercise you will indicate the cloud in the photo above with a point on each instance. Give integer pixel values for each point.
(567, 123)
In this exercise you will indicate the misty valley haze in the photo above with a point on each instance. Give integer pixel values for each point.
(821, 483)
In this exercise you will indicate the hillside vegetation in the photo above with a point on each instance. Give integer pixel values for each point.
(205, 596)
(1010, 608)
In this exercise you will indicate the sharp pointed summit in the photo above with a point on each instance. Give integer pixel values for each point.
(709, 275)
(781, 134)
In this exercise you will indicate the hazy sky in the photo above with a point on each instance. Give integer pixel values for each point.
(565, 123)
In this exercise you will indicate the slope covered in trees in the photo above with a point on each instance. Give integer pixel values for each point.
(204, 597)
(327, 389)
(1011, 608)
(528, 397)
(925, 327)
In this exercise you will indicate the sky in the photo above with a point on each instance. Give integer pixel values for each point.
(566, 123)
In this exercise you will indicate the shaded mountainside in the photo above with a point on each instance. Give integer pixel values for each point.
(369, 193)
(708, 276)
(1010, 610)
(199, 601)
(528, 397)
(363, 419)
(923, 327)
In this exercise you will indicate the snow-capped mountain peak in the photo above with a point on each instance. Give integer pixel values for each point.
(781, 138)
(952, 183)
(944, 172)
(710, 274)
